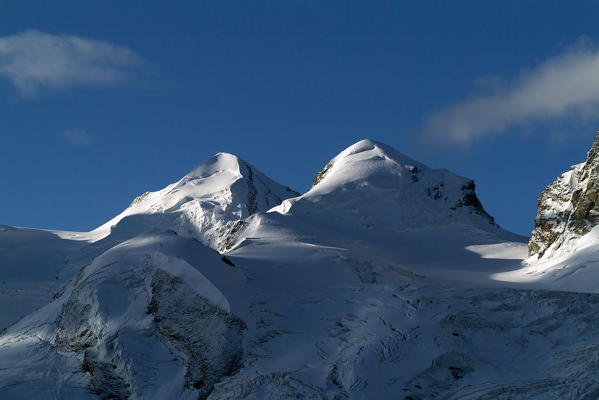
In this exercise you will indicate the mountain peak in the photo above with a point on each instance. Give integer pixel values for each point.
(218, 163)
(367, 160)
(368, 148)
(378, 181)
(204, 204)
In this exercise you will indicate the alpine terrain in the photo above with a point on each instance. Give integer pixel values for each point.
(386, 280)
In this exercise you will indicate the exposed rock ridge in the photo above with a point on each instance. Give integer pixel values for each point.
(568, 208)
(252, 206)
(322, 173)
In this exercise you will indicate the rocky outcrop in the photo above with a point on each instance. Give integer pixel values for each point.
(210, 338)
(322, 173)
(568, 208)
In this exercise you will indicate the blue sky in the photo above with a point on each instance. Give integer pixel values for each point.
(102, 101)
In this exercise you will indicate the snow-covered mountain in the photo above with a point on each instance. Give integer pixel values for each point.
(375, 202)
(205, 204)
(379, 282)
(138, 301)
(369, 173)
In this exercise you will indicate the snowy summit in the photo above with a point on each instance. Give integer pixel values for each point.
(203, 204)
(392, 188)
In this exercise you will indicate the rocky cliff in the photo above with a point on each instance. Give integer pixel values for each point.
(568, 208)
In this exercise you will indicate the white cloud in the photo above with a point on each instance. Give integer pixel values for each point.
(77, 137)
(34, 60)
(563, 86)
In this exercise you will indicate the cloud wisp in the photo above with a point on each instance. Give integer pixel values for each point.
(562, 86)
(34, 60)
(77, 137)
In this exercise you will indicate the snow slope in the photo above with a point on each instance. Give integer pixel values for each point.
(34, 264)
(576, 269)
(136, 323)
(361, 329)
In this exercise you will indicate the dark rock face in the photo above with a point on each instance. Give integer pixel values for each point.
(231, 236)
(322, 173)
(569, 207)
(471, 202)
(210, 337)
(106, 381)
(75, 332)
